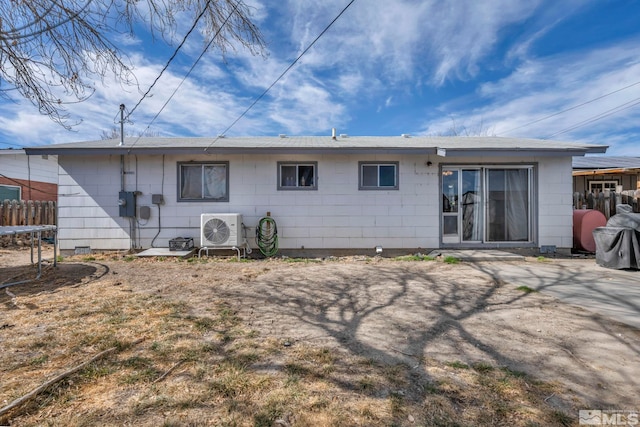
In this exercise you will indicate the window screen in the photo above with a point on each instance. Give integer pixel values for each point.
(297, 176)
(203, 182)
(378, 176)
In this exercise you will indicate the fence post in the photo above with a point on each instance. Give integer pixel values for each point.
(600, 205)
(30, 212)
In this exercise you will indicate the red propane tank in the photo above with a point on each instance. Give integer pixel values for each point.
(584, 222)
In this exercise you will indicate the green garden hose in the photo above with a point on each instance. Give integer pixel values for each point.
(267, 236)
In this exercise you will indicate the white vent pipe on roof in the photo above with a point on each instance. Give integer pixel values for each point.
(333, 133)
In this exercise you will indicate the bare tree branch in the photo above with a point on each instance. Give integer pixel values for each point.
(53, 52)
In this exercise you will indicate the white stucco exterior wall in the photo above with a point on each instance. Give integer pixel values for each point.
(16, 164)
(555, 202)
(336, 216)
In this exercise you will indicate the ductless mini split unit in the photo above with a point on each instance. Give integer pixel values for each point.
(221, 230)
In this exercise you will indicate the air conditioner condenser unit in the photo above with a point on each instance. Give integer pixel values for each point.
(221, 230)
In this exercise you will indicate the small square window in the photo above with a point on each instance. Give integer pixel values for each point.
(206, 182)
(297, 176)
(10, 192)
(378, 176)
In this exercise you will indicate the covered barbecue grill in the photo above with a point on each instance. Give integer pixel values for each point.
(618, 243)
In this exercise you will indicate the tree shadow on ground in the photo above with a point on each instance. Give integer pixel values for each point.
(391, 315)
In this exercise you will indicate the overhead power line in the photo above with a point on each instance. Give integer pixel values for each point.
(570, 108)
(28, 186)
(175, 53)
(281, 75)
(235, 7)
(597, 117)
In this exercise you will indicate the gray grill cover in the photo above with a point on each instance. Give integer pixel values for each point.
(617, 247)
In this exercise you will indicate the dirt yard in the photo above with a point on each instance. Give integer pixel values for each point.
(300, 342)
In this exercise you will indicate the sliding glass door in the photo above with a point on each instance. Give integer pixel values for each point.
(486, 204)
(508, 217)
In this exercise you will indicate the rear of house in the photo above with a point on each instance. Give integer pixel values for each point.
(331, 194)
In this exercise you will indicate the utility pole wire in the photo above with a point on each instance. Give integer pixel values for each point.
(175, 53)
(597, 117)
(281, 75)
(235, 7)
(570, 108)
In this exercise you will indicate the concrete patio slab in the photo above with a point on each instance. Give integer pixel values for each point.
(477, 255)
(165, 252)
(609, 292)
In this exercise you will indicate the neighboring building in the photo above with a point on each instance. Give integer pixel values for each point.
(597, 173)
(25, 177)
(325, 193)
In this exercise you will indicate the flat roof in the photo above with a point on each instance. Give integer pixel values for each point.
(342, 144)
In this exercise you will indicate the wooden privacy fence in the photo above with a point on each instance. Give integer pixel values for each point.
(27, 212)
(606, 201)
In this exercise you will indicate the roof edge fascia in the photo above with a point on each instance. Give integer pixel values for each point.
(447, 152)
(545, 152)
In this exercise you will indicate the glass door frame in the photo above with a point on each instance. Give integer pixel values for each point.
(457, 239)
(454, 204)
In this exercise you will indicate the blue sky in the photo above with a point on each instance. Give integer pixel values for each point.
(566, 70)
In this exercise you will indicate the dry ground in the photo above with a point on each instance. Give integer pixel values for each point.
(289, 342)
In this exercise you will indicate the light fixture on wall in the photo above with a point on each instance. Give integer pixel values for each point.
(378, 250)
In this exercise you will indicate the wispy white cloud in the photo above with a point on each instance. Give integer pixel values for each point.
(403, 39)
(377, 57)
(531, 102)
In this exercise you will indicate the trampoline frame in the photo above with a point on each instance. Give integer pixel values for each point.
(34, 231)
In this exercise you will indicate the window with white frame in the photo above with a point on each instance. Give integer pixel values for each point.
(203, 182)
(600, 186)
(297, 176)
(378, 175)
(9, 192)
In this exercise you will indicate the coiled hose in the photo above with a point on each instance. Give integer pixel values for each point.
(267, 236)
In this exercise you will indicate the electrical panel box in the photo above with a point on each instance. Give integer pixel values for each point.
(127, 203)
(157, 199)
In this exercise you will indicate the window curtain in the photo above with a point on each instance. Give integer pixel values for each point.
(215, 182)
(517, 204)
(191, 181)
